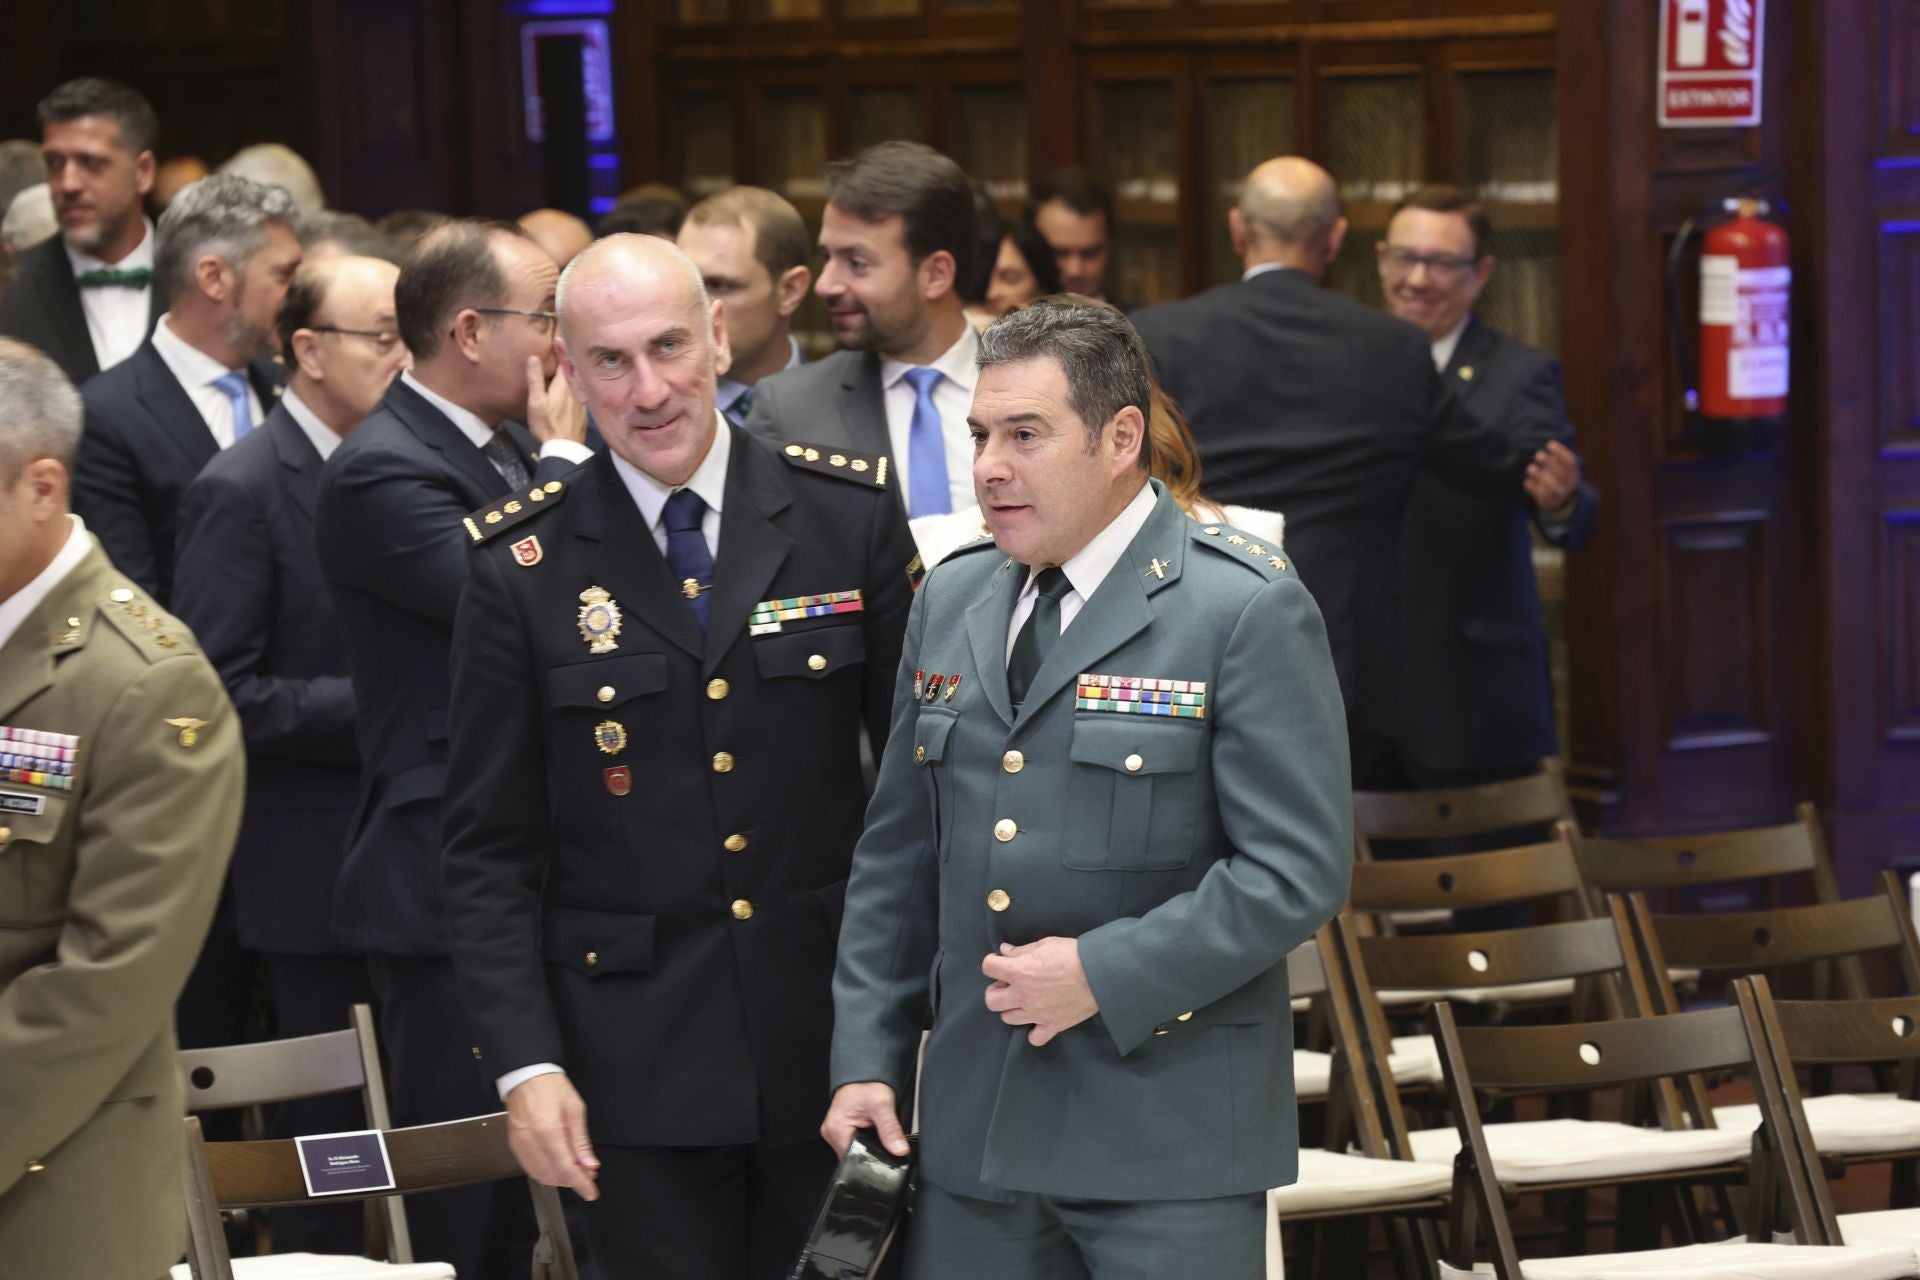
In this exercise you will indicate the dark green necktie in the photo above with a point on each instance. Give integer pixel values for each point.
(107, 277)
(1037, 636)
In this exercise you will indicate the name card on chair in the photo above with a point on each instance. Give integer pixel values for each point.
(342, 1163)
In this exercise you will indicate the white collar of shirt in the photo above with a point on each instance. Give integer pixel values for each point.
(323, 437)
(709, 481)
(955, 363)
(1089, 567)
(1444, 348)
(140, 256)
(16, 608)
(466, 419)
(197, 372)
(1264, 268)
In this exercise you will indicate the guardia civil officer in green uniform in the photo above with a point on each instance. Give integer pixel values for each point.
(1115, 796)
(121, 776)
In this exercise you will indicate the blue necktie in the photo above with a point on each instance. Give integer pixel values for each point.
(927, 492)
(235, 385)
(687, 551)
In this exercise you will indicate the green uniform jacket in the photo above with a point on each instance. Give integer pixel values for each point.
(106, 890)
(1187, 853)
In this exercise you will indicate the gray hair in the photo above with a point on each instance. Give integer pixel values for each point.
(279, 165)
(30, 218)
(632, 242)
(1105, 362)
(224, 215)
(40, 411)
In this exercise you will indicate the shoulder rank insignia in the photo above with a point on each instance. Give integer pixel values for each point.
(1237, 546)
(861, 468)
(508, 512)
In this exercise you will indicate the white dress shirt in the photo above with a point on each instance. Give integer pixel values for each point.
(323, 437)
(473, 428)
(116, 314)
(1089, 567)
(953, 397)
(1445, 345)
(709, 480)
(16, 608)
(196, 372)
(1262, 268)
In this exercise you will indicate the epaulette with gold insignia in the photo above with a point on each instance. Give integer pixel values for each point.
(861, 468)
(1270, 561)
(501, 516)
(154, 633)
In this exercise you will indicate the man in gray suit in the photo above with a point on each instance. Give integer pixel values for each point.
(1114, 797)
(898, 238)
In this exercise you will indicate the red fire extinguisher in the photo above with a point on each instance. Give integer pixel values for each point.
(1738, 401)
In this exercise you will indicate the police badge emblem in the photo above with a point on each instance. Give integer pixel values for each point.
(527, 552)
(599, 620)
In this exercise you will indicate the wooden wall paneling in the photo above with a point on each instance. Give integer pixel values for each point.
(636, 92)
(1899, 314)
(1715, 621)
(1900, 590)
(382, 104)
(1050, 72)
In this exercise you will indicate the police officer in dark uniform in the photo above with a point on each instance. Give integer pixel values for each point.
(662, 666)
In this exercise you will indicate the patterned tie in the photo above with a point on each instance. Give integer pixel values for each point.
(687, 552)
(504, 454)
(738, 410)
(235, 387)
(1037, 636)
(927, 492)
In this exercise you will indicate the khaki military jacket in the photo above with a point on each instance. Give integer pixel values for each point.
(109, 875)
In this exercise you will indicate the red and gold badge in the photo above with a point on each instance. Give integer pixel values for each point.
(527, 552)
(619, 779)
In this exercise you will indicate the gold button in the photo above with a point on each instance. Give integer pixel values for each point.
(1005, 830)
(605, 694)
(119, 595)
(1013, 762)
(794, 451)
(593, 958)
(998, 900)
(717, 689)
(723, 762)
(1159, 1031)
(742, 909)
(476, 1053)
(552, 486)
(34, 1166)
(816, 662)
(6, 834)
(1185, 1017)
(919, 755)
(735, 843)
(1135, 764)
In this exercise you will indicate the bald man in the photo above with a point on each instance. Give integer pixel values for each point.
(661, 672)
(558, 232)
(1306, 402)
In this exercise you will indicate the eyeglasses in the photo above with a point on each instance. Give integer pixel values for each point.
(1442, 268)
(542, 320)
(383, 342)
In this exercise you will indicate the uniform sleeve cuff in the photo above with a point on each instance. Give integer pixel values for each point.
(507, 1083)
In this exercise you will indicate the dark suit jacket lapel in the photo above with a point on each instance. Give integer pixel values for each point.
(626, 561)
(752, 547)
(60, 304)
(862, 406)
(433, 429)
(987, 622)
(163, 396)
(1472, 352)
(299, 460)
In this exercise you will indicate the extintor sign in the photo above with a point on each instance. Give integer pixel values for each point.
(1710, 58)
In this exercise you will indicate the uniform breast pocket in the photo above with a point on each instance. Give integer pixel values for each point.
(606, 683)
(931, 729)
(32, 859)
(1134, 793)
(813, 654)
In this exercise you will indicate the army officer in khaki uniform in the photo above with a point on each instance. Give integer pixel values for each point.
(1115, 795)
(120, 790)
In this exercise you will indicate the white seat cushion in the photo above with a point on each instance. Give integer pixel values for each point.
(1556, 1150)
(1414, 1060)
(317, 1266)
(1737, 1260)
(1844, 1124)
(1331, 1180)
(1886, 1226)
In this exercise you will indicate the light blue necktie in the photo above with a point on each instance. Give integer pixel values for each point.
(927, 492)
(235, 385)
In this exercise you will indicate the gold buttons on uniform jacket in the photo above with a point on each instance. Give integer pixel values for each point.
(718, 689)
(919, 755)
(476, 1053)
(1013, 762)
(1005, 830)
(742, 909)
(1185, 1017)
(6, 834)
(1135, 764)
(723, 762)
(816, 663)
(119, 595)
(998, 900)
(593, 958)
(734, 843)
(605, 694)
(34, 1166)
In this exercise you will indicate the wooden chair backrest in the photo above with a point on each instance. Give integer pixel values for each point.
(1537, 800)
(1620, 865)
(1467, 880)
(248, 1075)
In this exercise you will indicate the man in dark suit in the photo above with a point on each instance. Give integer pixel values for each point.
(898, 237)
(751, 248)
(1073, 212)
(248, 583)
(1479, 699)
(86, 296)
(227, 253)
(661, 675)
(475, 307)
(1305, 402)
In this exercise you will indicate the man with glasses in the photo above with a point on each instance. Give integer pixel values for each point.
(1304, 401)
(1479, 702)
(474, 304)
(248, 582)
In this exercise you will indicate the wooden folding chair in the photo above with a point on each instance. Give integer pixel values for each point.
(1536, 801)
(345, 1061)
(229, 1175)
(1649, 863)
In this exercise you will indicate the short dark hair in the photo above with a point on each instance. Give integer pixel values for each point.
(648, 215)
(926, 190)
(301, 307)
(1038, 253)
(1077, 189)
(1105, 362)
(454, 267)
(126, 106)
(1442, 197)
(779, 234)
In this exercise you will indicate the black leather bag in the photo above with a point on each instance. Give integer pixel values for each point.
(863, 1210)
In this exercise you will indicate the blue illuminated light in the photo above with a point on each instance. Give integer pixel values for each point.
(561, 8)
